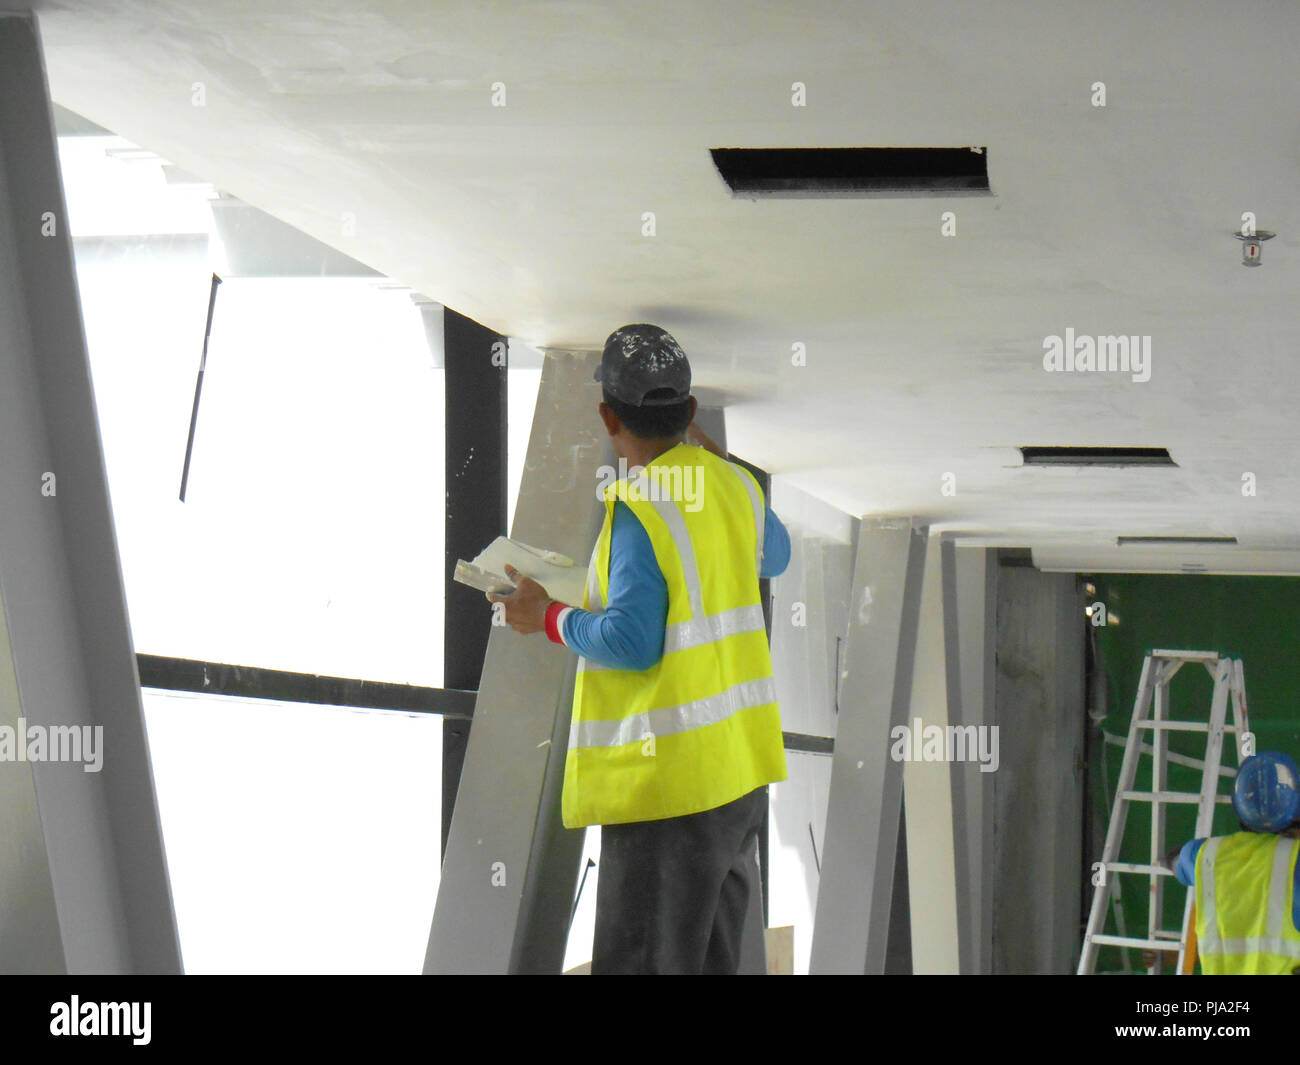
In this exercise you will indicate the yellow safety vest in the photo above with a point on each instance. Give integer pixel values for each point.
(700, 727)
(1244, 886)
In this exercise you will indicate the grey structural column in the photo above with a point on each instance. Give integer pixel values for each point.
(851, 928)
(1038, 847)
(927, 785)
(950, 807)
(510, 869)
(475, 368)
(83, 877)
(970, 613)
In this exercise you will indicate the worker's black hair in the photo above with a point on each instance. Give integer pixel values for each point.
(652, 423)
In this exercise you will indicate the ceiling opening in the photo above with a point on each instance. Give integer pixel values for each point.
(838, 172)
(1096, 456)
(1180, 541)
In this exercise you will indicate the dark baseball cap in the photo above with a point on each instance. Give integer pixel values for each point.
(639, 359)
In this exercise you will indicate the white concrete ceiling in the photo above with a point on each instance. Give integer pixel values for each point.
(924, 352)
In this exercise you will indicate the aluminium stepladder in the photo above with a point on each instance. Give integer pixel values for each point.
(1151, 715)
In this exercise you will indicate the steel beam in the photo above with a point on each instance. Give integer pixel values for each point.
(91, 852)
(851, 929)
(254, 682)
(475, 363)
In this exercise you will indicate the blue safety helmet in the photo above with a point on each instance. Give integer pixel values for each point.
(1266, 794)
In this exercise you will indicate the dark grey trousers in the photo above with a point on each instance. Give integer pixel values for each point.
(672, 894)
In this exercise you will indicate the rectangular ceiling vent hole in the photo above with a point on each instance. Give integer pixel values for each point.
(1096, 456)
(848, 172)
(1177, 541)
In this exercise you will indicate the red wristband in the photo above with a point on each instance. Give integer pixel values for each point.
(553, 623)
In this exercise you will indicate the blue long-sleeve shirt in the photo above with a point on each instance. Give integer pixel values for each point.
(629, 633)
(1185, 870)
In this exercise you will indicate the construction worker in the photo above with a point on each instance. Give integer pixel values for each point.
(675, 731)
(1247, 904)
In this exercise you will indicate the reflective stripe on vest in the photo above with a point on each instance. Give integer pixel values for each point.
(672, 518)
(670, 720)
(697, 631)
(1279, 936)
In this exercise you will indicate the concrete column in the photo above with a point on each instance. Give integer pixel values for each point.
(931, 856)
(1038, 860)
(510, 870)
(850, 934)
(974, 580)
(29, 921)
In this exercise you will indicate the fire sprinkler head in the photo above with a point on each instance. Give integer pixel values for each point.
(1250, 245)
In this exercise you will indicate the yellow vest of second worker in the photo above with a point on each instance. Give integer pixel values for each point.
(700, 727)
(1244, 885)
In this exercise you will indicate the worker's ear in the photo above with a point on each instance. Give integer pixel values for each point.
(694, 407)
(607, 415)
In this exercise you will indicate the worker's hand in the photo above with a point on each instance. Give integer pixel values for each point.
(526, 606)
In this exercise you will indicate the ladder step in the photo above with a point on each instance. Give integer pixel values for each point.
(1133, 867)
(1188, 656)
(1169, 796)
(1129, 941)
(1172, 757)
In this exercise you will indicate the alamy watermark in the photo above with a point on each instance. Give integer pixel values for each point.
(946, 743)
(53, 743)
(76, 1018)
(680, 484)
(1112, 354)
